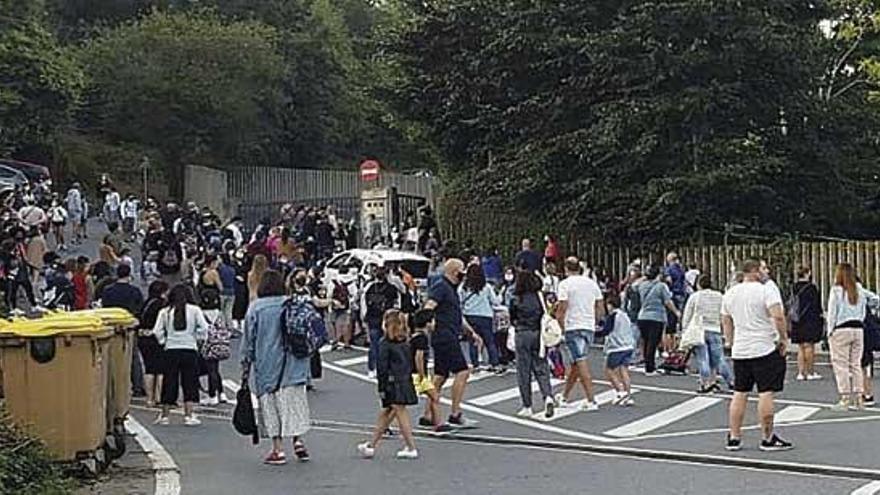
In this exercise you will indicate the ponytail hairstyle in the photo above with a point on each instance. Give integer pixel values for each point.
(178, 298)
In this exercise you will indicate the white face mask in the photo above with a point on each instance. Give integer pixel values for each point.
(508, 278)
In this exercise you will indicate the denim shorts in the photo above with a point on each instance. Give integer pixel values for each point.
(617, 359)
(578, 343)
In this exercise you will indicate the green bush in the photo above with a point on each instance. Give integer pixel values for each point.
(26, 468)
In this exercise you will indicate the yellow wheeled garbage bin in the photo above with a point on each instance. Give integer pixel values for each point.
(124, 328)
(55, 381)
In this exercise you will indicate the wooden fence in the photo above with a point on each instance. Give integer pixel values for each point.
(499, 230)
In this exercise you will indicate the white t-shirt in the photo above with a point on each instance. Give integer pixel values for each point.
(581, 294)
(112, 200)
(749, 305)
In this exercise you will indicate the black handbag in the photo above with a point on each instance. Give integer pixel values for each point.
(243, 418)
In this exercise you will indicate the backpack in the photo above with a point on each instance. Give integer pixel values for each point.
(872, 332)
(794, 305)
(209, 297)
(217, 345)
(169, 257)
(633, 301)
(302, 329)
(341, 294)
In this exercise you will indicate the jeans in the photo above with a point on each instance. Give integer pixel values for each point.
(652, 331)
(375, 337)
(528, 363)
(137, 373)
(710, 357)
(483, 326)
(578, 343)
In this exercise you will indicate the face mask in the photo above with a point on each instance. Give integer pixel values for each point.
(508, 278)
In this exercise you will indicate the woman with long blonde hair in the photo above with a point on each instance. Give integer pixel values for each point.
(259, 266)
(847, 305)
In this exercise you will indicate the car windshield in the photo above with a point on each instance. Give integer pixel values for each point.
(416, 268)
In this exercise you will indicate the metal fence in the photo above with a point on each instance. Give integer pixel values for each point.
(253, 213)
(253, 185)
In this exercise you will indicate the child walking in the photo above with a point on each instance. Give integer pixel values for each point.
(619, 347)
(396, 391)
(423, 327)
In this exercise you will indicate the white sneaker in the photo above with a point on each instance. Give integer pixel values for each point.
(224, 399)
(800, 377)
(191, 421)
(651, 374)
(814, 376)
(162, 421)
(589, 406)
(549, 407)
(371, 375)
(560, 400)
(366, 450)
(407, 453)
(525, 412)
(626, 401)
(209, 401)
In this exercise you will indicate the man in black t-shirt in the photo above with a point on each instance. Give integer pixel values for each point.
(448, 359)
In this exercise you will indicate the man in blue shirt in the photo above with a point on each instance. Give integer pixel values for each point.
(674, 274)
(449, 325)
(528, 259)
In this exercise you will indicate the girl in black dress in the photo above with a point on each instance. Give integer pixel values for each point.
(151, 351)
(396, 390)
(806, 323)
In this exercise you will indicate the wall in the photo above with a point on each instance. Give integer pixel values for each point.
(208, 187)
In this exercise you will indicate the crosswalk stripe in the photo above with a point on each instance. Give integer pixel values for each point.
(510, 393)
(664, 417)
(471, 378)
(352, 361)
(234, 388)
(603, 399)
(795, 413)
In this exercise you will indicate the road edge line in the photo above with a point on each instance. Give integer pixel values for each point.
(165, 470)
(869, 489)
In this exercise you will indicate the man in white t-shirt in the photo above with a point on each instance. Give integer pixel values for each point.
(753, 320)
(580, 306)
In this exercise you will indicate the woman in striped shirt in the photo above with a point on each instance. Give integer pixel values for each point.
(705, 304)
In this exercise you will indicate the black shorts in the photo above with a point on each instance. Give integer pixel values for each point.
(448, 359)
(767, 372)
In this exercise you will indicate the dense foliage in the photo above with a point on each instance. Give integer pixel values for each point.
(638, 120)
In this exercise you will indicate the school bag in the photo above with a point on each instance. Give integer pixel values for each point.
(302, 329)
(217, 343)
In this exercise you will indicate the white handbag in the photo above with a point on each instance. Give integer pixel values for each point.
(551, 331)
(511, 338)
(694, 334)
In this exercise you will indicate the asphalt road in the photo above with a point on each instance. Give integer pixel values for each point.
(671, 441)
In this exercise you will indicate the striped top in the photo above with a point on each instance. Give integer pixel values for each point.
(707, 304)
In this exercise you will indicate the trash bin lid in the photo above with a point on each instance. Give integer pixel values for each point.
(48, 327)
(109, 316)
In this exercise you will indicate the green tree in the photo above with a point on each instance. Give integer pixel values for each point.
(635, 120)
(195, 87)
(40, 83)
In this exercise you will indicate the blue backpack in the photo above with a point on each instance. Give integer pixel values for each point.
(303, 329)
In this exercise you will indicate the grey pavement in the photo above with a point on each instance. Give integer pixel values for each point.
(624, 450)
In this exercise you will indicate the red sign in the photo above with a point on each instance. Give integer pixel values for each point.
(369, 170)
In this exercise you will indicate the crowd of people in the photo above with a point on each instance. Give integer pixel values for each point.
(210, 282)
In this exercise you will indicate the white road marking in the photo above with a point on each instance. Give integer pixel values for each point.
(164, 468)
(664, 417)
(352, 361)
(234, 387)
(487, 413)
(603, 399)
(795, 413)
(510, 393)
(869, 489)
(473, 377)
